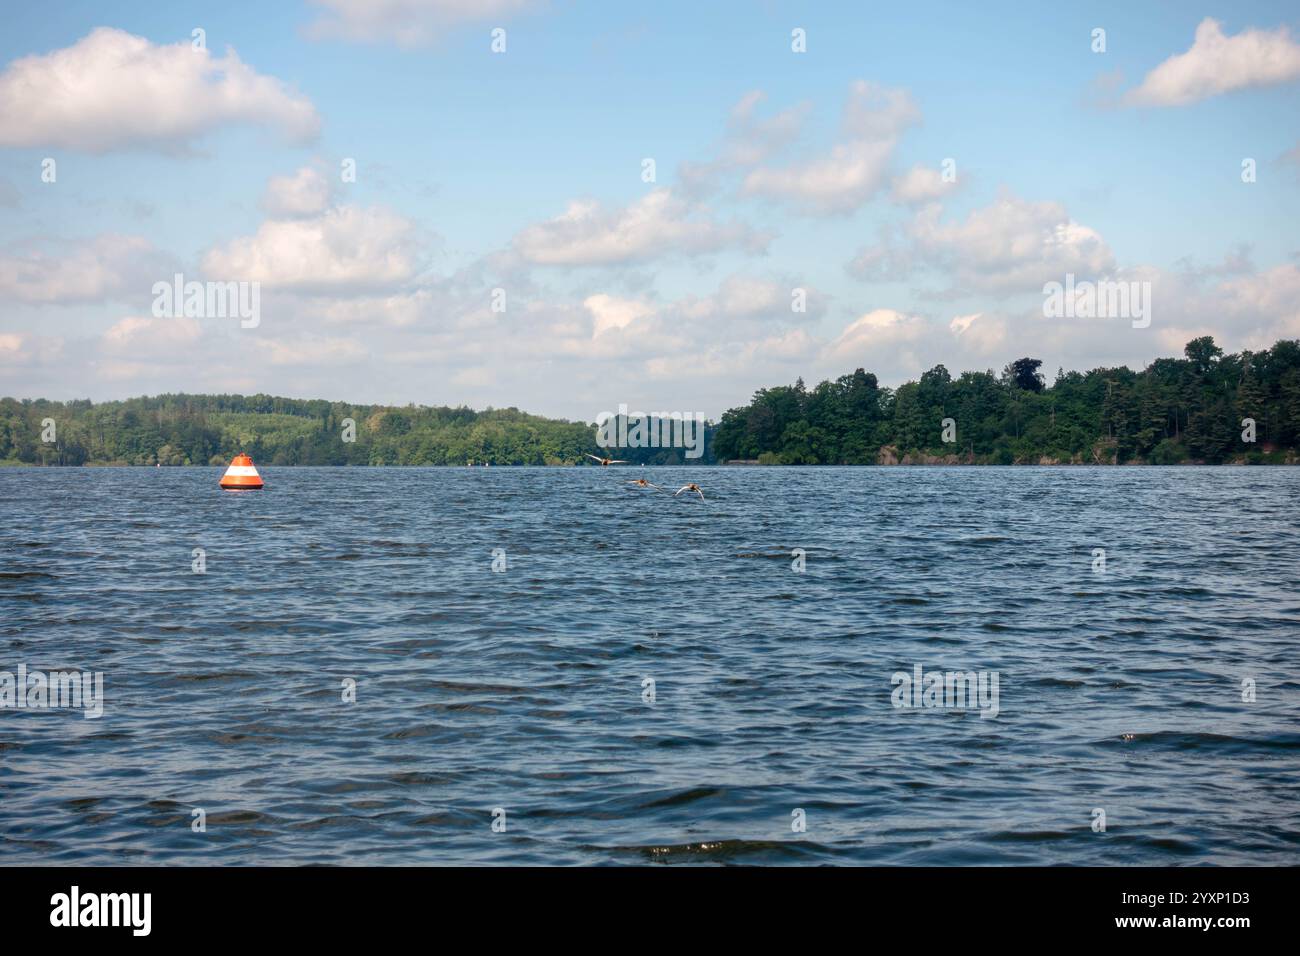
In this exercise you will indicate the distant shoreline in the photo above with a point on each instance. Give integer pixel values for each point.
(1207, 408)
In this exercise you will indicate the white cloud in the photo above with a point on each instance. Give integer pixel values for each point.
(749, 140)
(751, 297)
(888, 261)
(306, 193)
(112, 90)
(920, 184)
(611, 312)
(1218, 64)
(659, 225)
(347, 249)
(1262, 307)
(147, 338)
(875, 112)
(880, 328)
(479, 376)
(790, 344)
(1009, 246)
(23, 349)
(742, 297)
(979, 333)
(764, 359)
(398, 310)
(314, 351)
(856, 168)
(86, 270)
(840, 182)
(407, 22)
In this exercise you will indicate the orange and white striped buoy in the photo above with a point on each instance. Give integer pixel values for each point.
(241, 475)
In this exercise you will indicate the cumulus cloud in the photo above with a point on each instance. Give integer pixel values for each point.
(104, 268)
(856, 168)
(1009, 246)
(691, 332)
(888, 261)
(144, 337)
(762, 359)
(306, 193)
(659, 225)
(346, 249)
(752, 297)
(407, 22)
(750, 139)
(1241, 311)
(1217, 63)
(314, 351)
(840, 182)
(24, 349)
(143, 353)
(620, 328)
(920, 184)
(612, 312)
(1264, 306)
(734, 319)
(399, 310)
(1012, 245)
(978, 333)
(112, 90)
(877, 329)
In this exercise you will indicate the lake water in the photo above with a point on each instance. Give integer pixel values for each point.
(526, 691)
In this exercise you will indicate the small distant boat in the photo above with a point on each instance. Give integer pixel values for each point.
(241, 475)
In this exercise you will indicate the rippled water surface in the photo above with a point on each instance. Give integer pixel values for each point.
(523, 690)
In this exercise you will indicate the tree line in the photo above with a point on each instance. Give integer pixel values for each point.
(1189, 409)
(180, 429)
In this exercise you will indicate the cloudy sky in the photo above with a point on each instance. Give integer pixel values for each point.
(627, 202)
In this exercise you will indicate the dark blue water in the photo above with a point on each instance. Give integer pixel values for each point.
(523, 690)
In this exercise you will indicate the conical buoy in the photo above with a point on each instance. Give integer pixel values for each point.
(241, 475)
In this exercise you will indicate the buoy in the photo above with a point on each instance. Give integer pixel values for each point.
(241, 475)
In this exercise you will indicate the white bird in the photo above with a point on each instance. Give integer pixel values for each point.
(691, 487)
(607, 461)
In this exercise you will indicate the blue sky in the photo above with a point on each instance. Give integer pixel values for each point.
(1066, 160)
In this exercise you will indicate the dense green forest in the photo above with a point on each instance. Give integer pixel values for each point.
(1176, 410)
(211, 429)
(1187, 409)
